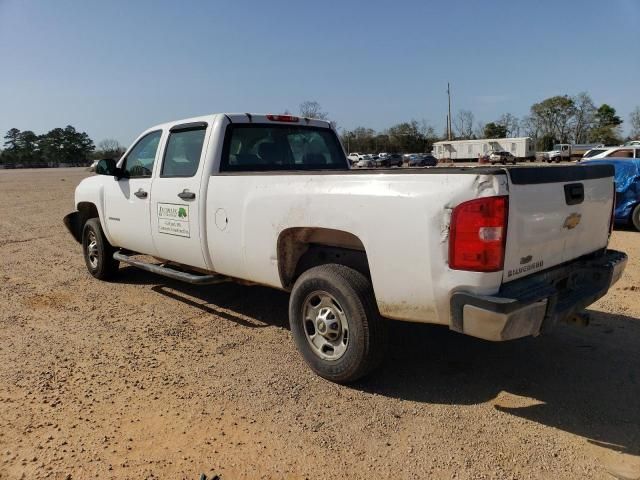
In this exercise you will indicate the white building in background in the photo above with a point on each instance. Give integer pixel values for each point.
(520, 147)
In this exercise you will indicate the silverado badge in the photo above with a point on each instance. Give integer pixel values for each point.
(572, 221)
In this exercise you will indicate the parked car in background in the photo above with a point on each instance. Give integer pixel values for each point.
(355, 157)
(627, 182)
(389, 160)
(423, 161)
(366, 161)
(502, 156)
(631, 151)
(593, 152)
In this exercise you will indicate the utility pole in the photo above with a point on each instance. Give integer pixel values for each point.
(449, 116)
(448, 132)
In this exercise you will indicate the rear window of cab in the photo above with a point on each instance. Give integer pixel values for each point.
(265, 147)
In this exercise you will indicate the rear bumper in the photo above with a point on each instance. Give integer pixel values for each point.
(534, 304)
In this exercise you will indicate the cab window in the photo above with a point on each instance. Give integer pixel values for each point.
(139, 161)
(255, 147)
(182, 155)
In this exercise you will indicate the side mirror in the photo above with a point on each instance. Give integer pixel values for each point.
(106, 166)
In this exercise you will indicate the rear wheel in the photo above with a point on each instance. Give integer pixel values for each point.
(635, 217)
(335, 323)
(98, 252)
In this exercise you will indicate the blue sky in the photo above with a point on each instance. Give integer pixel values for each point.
(114, 68)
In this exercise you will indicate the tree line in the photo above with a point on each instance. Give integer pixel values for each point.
(558, 119)
(58, 146)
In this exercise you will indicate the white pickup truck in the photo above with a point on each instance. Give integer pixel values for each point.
(493, 252)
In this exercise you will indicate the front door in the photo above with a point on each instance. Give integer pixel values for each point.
(127, 199)
(177, 197)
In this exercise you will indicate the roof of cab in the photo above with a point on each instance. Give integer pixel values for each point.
(245, 118)
(262, 118)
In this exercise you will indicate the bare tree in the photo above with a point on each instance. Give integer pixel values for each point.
(555, 116)
(478, 131)
(634, 121)
(584, 117)
(312, 109)
(110, 147)
(510, 123)
(463, 123)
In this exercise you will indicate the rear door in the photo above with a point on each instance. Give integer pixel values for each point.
(178, 197)
(556, 214)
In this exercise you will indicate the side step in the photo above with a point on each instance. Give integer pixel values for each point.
(192, 278)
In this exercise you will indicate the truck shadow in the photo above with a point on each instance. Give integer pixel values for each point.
(581, 380)
(252, 307)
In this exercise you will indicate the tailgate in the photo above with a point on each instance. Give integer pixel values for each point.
(556, 214)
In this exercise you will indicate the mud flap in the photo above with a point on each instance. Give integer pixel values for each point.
(73, 223)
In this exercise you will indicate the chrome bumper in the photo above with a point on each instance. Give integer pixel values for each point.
(534, 304)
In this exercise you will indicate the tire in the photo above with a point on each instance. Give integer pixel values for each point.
(97, 251)
(333, 294)
(635, 217)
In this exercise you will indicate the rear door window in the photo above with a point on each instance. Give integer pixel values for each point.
(182, 154)
(256, 147)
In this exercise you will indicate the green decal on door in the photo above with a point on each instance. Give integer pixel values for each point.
(173, 219)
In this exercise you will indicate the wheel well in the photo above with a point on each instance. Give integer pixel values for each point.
(87, 210)
(300, 249)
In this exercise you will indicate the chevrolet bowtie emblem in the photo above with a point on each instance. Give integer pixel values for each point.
(572, 221)
(525, 260)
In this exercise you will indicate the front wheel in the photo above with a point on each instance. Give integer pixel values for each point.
(635, 217)
(335, 323)
(98, 252)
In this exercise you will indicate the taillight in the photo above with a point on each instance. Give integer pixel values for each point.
(477, 234)
(283, 118)
(612, 220)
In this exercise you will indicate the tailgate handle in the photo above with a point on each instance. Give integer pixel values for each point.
(574, 193)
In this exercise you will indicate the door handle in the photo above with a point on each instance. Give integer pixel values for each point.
(187, 195)
(141, 194)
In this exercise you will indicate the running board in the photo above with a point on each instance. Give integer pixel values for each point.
(191, 278)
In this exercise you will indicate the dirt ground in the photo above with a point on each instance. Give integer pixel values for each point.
(149, 378)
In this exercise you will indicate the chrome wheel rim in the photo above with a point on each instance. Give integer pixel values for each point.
(92, 250)
(325, 325)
